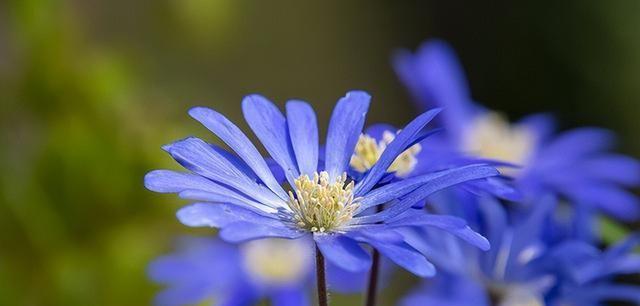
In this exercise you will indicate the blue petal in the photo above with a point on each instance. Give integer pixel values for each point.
(220, 215)
(303, 128)
(200, 269)
(167, 181)
(197, 156)
(268, 123)
(294, 296)
(228, 198)
(344, 130)
(617, 259)
(237, 232)
(446, 251)
(453, 225)
(435, 78)
(542, 125)
(612, 167)
(529, 230)
(495, 223)
(395, 148)
(602, 269)
(575, 143)
(610, 199)
(343, 252)
(196, 258)
(240, 296)
(496, 186)
(446, 179)
(195, 187)
(238, 141)
(398, 189)
(605, 292)
(341, 281)
(446, 290)
(399, 252)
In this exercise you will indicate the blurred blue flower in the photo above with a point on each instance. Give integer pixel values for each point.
(574, 164)
(523, 267)
(240, 194)
(207, 269)
(588, 276)
(468, 277)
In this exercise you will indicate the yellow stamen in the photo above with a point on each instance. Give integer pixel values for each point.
(320, 206)
(368, 152)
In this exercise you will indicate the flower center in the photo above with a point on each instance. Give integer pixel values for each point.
(368, 151)
(514, 295)
(321, 206)
(521, 297)
(491, 136)
(276, 261)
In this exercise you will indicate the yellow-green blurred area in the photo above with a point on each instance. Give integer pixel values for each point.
(90, 90)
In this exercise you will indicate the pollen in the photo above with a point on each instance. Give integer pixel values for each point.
(368, 152)
(321, 206)
(491, 136)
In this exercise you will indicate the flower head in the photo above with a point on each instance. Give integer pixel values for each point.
(491, 136)
(239, 193)
(369, 149)
(524, 267)
(205, 269)
(320, 206)
(575, 164)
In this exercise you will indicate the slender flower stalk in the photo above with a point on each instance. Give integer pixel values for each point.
(321, 277)
(372, 289)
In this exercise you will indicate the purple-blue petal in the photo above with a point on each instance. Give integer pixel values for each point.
(242, 231)
(435, 78)
(199, 157)
(239, 142)
(303, 128)
(399, 144)
(270, 126)
(344, 130)
(450, 224)
(290, 296)
(445, 179)
(395, 249)
(220, 215)
(343, 252)
(398, 189)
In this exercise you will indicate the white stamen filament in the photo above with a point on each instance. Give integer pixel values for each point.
(320, 206)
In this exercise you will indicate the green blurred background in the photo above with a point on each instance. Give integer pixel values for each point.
(90, 90)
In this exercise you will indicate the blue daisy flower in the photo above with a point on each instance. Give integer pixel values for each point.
(588, 276)
(523, 267)
(502, 276)
(239, 194)
(575, 164)
(207, 269)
